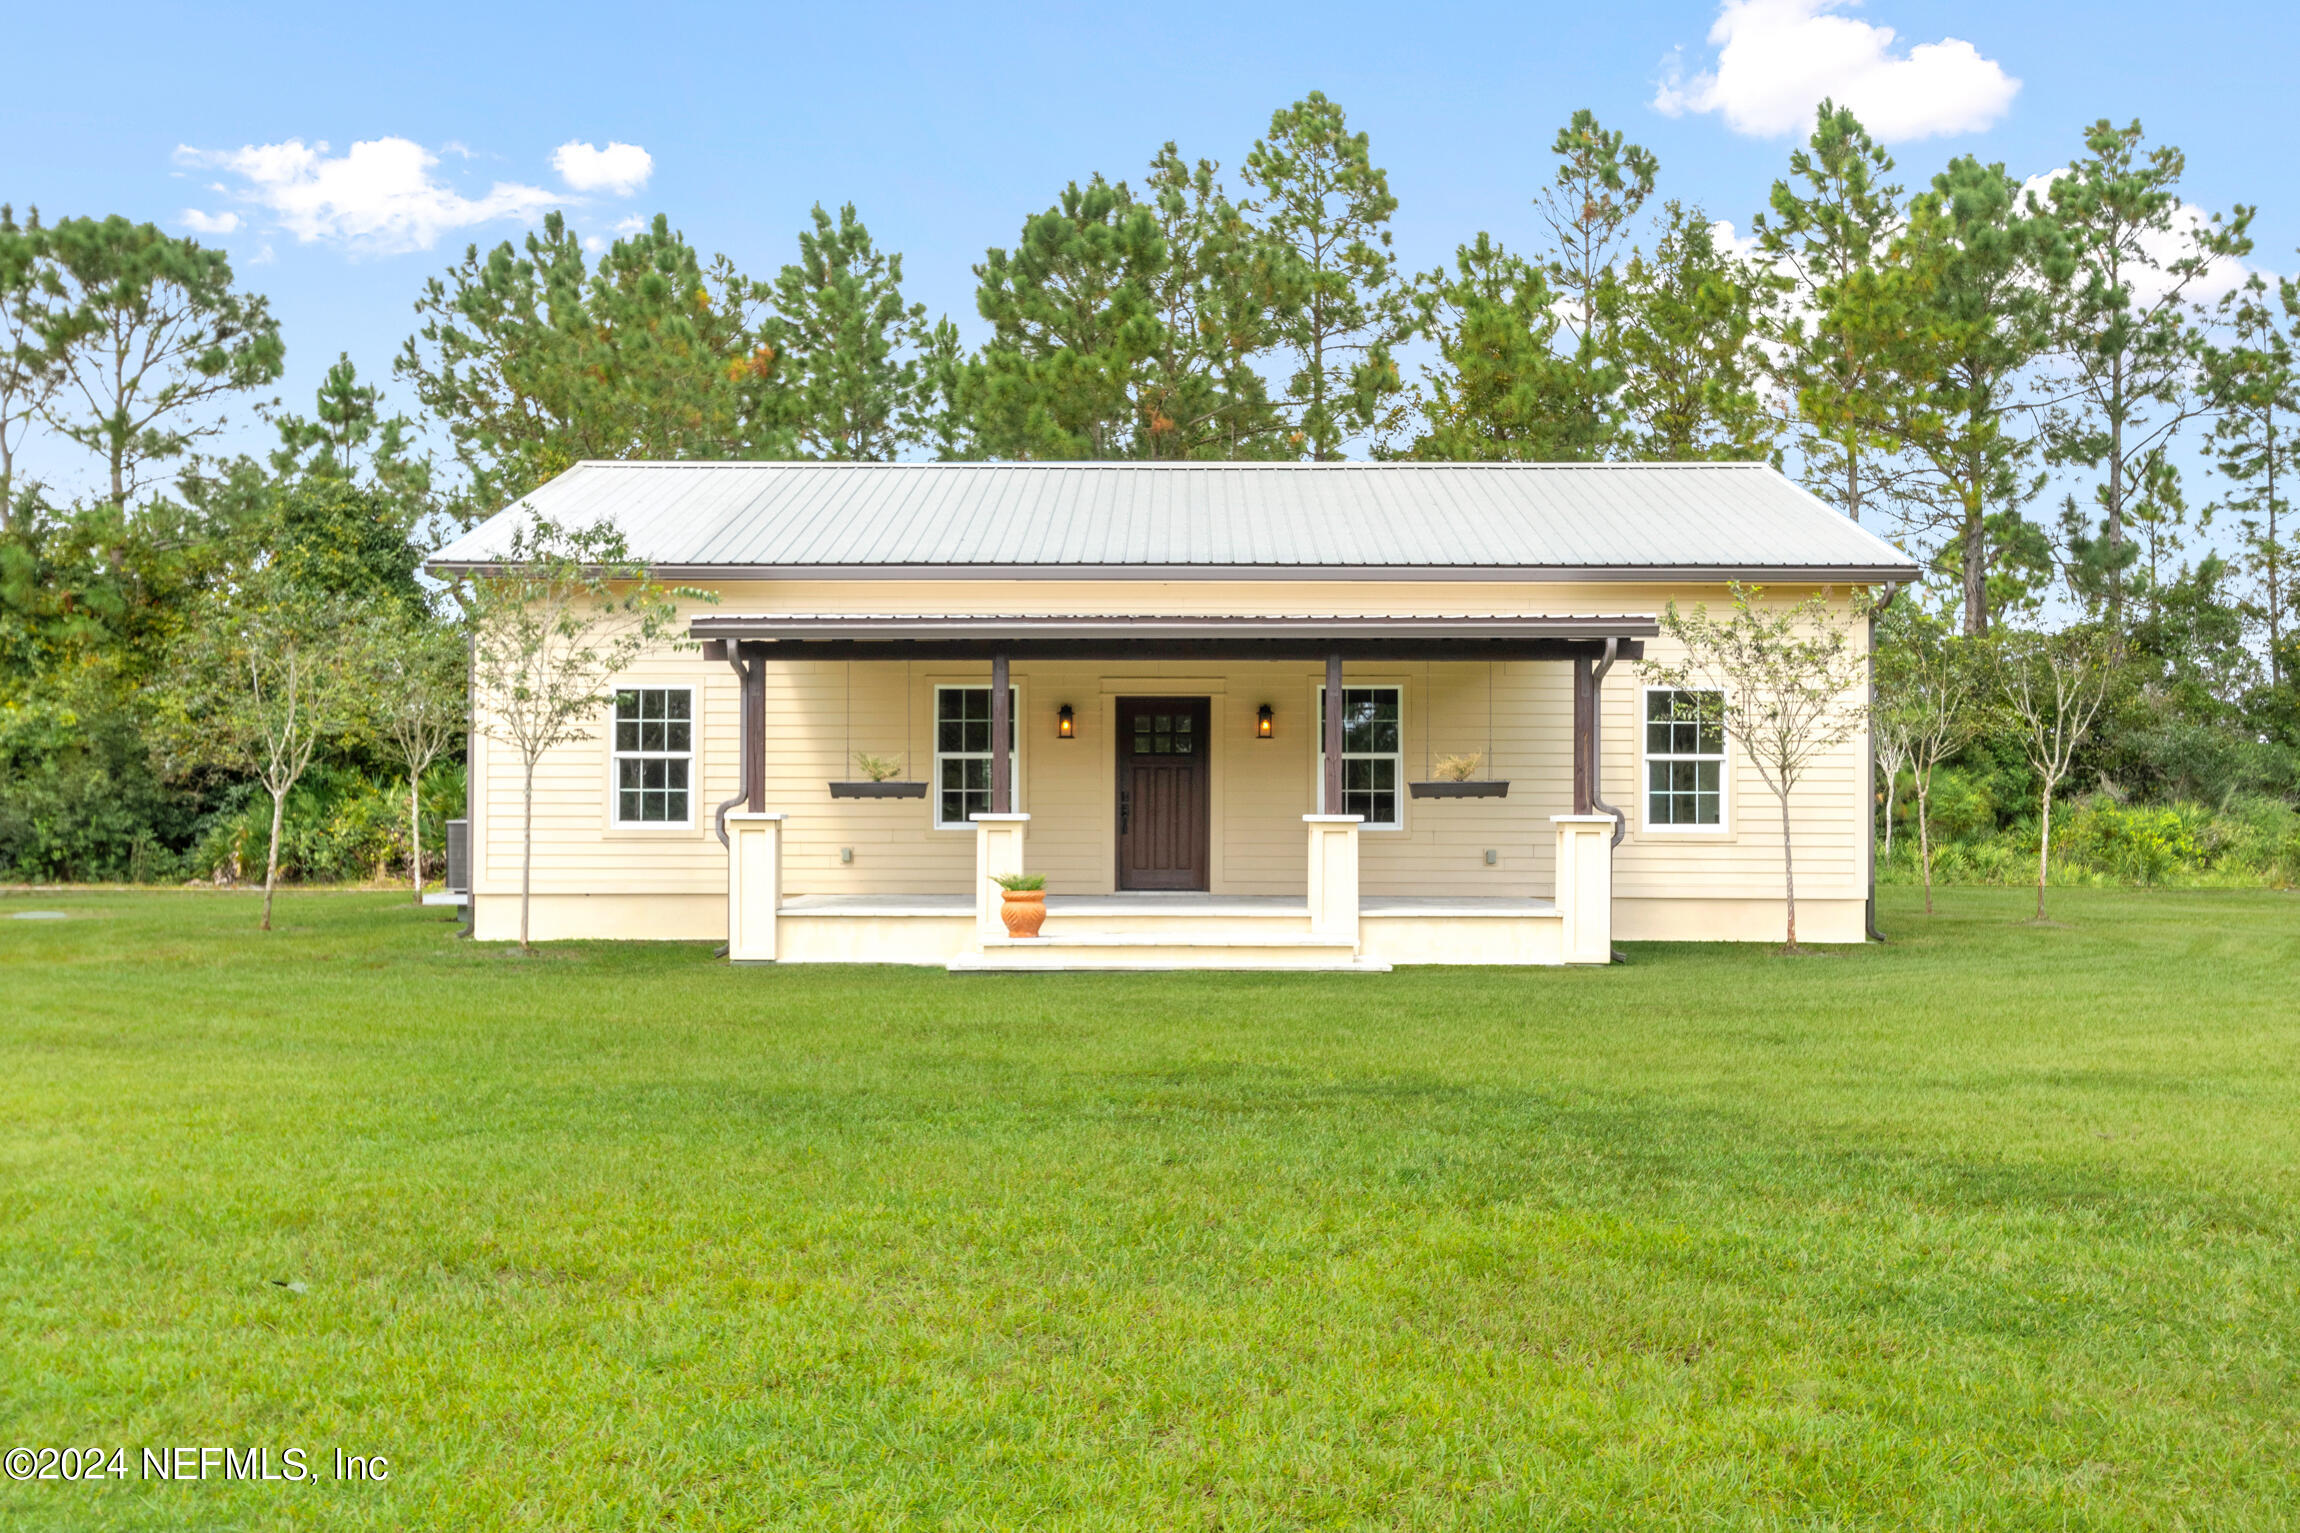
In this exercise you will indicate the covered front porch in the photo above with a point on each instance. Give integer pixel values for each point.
(1151, 768)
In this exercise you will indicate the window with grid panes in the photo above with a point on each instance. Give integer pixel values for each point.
(1684, 759)
(1373, 753)
(654, 754)
(962, 752)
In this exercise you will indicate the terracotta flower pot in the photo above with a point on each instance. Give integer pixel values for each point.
(1024, 912)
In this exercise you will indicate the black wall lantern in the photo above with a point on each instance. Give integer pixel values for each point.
(1265, 724)
(1065, 723)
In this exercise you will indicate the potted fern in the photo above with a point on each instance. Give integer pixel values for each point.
(1024, 909)
(878, 780)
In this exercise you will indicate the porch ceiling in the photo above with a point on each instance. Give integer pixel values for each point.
(1303, 636)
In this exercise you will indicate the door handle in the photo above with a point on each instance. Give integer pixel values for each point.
(1125, 809)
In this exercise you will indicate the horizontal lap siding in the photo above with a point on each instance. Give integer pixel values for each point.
(820, 713)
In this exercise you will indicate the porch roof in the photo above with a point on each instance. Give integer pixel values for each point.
(1244, 636)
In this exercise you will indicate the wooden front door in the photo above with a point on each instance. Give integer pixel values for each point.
(1162, 792)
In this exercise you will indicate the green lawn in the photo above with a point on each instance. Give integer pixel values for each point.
(1993, 1227)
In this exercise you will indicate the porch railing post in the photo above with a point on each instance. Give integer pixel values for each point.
(997, 852)
(754, 886)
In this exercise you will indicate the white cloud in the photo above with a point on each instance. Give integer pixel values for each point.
(1776, 60)
(380, 196)
(208, 223)
(620, 169)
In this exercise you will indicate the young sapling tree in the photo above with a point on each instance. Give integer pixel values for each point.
(1786, 682)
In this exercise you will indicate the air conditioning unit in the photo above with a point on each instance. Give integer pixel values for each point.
(459, 857)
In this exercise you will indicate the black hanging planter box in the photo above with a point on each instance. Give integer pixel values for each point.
(878, 790)
(1460, 789)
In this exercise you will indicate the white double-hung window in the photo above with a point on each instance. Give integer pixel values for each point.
(1684, 760)
(1373, 754)
(654, 750)
(962, 753)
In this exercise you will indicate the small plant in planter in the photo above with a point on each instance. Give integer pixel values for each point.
(878, 780)
(1024, 910)
(1458, 768)
(1456, 777)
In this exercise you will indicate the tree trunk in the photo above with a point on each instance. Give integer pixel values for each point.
(1925, 835)
(2044, 846)
(1788, 873)
(1892, 787)
(1976, 552)
(272, 857)
(2115, 497)
(526, 847)
(415, 834)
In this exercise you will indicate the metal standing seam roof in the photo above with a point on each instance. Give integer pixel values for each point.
(1240, 520)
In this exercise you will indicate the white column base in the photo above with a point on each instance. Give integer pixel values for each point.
(1585, 886)
(1334, 876)
(997, 852)
(754, 886)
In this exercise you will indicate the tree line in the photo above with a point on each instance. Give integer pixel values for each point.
(1931, 361)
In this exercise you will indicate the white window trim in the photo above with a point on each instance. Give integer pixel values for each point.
(1645, 825)
(936, 756)
(693, 755)
(1317, 720)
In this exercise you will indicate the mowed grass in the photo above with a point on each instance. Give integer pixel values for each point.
(1993, 1227)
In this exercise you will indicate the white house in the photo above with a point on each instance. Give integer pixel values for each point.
(1120, 675)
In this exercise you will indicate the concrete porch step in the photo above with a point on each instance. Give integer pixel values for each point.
(1114, 959)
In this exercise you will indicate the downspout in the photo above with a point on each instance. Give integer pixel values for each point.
(1597, 743)
(743, 739)
(470, 778)
(1869, 788)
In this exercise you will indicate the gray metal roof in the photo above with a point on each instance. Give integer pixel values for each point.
(1243, 520)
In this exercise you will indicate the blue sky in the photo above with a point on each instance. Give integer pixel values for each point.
(947, 125)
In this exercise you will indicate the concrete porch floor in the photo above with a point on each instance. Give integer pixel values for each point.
(1193, 904)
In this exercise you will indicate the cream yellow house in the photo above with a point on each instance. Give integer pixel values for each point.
(1239, 715)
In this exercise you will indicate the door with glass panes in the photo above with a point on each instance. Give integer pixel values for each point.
(1163, 796)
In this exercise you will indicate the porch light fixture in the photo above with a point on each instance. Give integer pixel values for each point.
(1264, 724)
(1065, 723)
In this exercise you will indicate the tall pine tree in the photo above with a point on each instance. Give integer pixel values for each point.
(854, 378)
(2254, 382)
(2126, 335)
(1825, 228)
(1684, 336)
(1316, 193)
(1971, 285)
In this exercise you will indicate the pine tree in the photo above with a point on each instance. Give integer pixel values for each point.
(1317, 194)
(1971, 286)
(150, 338)
(851, 359)
(1590, 205)
(1123, 326)
(1684, 337)
(1500, 390)
(1069, 311)
(2126, 335)
(347, 432)
(535, 361)
(2254, 382)
(1826, 229)
(1218, 298)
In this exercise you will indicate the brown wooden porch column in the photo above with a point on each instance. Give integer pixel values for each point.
(753, 669)
(1001, 739)
(1333, 803)
(1584, 736)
